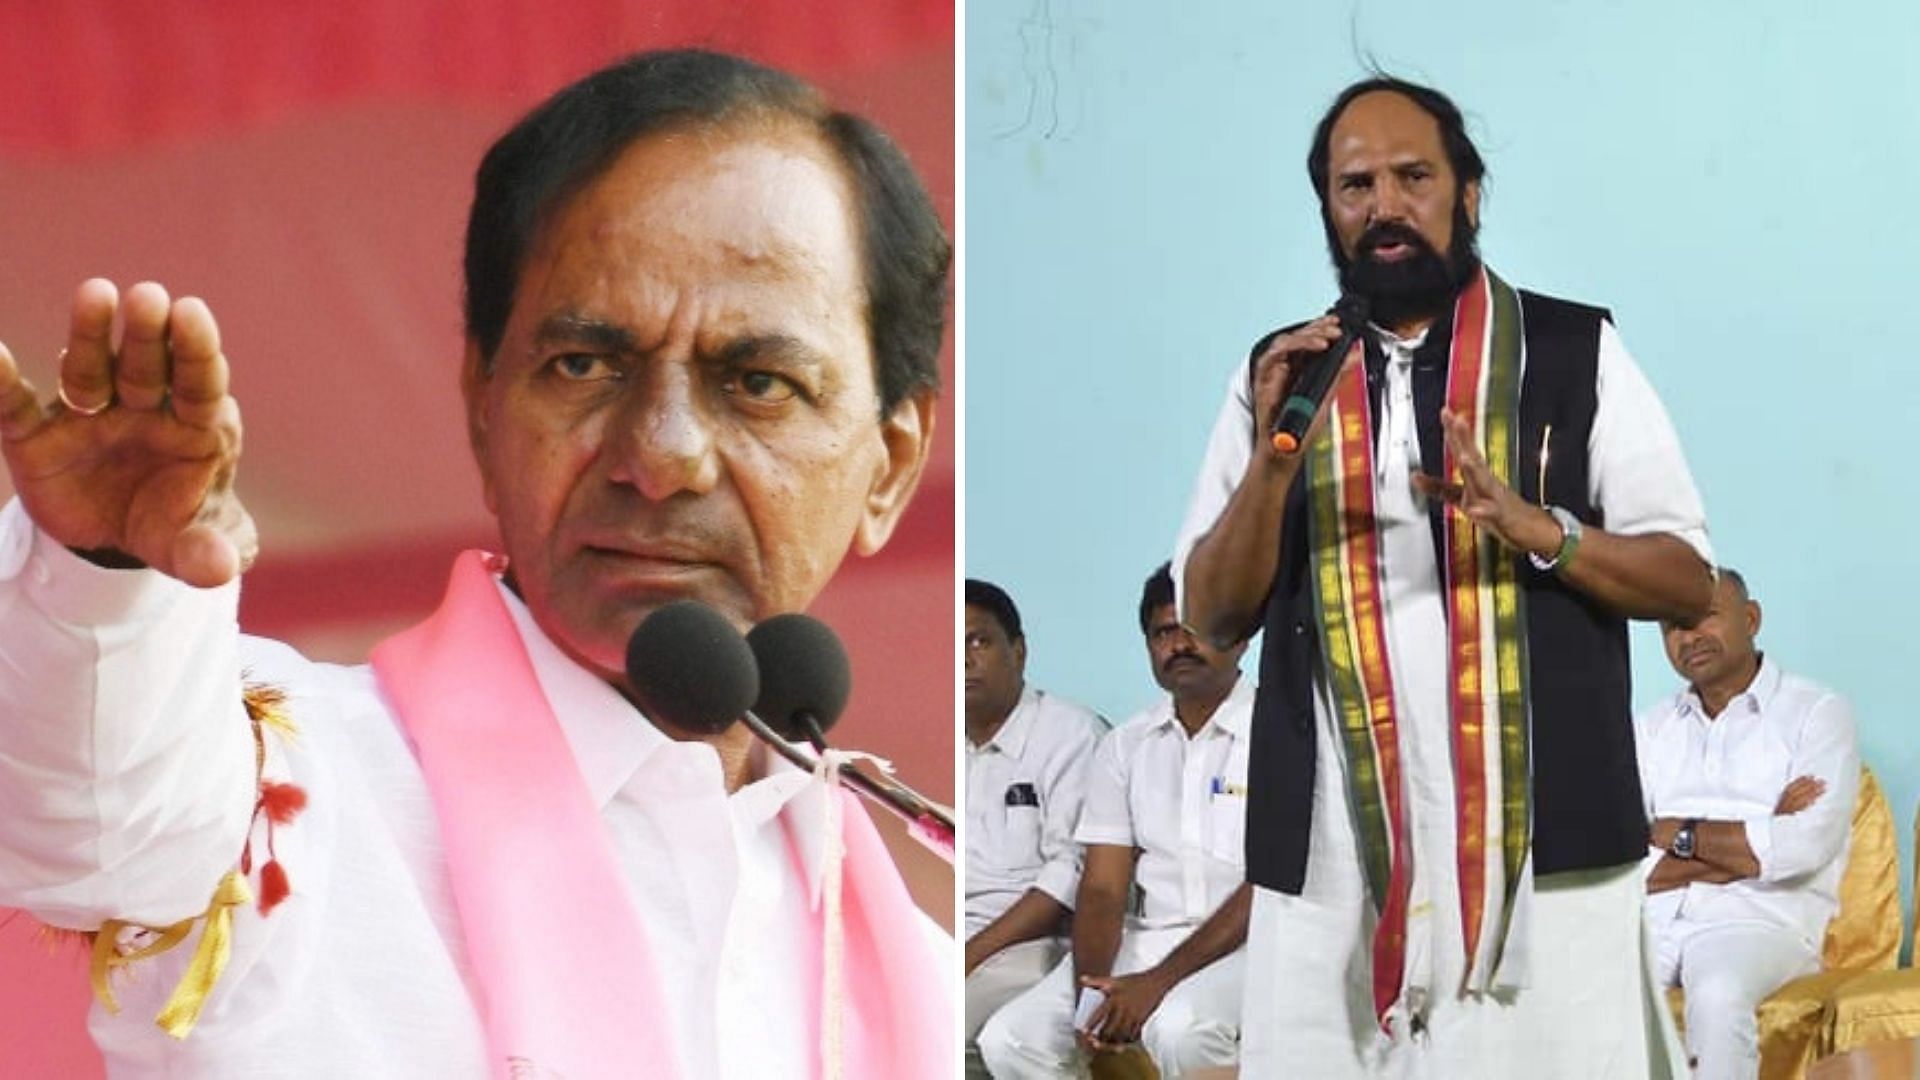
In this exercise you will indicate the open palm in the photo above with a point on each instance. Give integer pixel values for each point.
(137, 462)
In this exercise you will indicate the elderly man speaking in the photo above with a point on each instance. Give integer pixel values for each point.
(703, 313)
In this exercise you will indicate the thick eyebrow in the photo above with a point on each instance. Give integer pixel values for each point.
(770, 348)
(571, 328)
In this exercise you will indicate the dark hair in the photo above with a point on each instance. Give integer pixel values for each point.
(1461, 155)
(994, 600)
(577, 134)
(1156, 594)
(1739, 582)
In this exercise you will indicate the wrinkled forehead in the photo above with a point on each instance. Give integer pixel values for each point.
(760, 198)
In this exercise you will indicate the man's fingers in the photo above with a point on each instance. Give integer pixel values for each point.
(86, 366)
(1435, 488)
(140, 378)
(200, 372)
(20, 412)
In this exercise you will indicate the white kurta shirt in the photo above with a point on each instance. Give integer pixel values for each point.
(1733, 768)
(1024, 789)
(1182, 801)
(126, 782)
(1636, 474)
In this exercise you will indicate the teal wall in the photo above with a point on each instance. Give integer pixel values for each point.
(1743, 190)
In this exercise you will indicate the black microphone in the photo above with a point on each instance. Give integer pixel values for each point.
(805, 681)
(1315, 378)
(689, 667)
(805, 677)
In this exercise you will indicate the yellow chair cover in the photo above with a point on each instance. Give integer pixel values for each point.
(1798, 1022)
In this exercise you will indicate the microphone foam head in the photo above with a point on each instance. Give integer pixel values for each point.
(690, 668)
(803, 669)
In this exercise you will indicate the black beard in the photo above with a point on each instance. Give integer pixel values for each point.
(1414, 289)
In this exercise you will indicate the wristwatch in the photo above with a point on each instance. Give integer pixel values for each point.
(1684, 839)
(1569, 541)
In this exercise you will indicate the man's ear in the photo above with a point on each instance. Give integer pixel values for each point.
(475, 377)
(906, 433)
(1471, 195)
(1753, 618)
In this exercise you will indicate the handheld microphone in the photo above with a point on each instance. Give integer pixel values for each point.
(1315, 378)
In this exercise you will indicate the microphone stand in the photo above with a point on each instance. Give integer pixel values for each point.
(926, 821)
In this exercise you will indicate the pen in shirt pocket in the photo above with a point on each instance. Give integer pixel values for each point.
(1224, 786)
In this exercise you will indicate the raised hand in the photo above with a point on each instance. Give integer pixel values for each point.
(133, 461)
(1800, 793)
(1486, 501)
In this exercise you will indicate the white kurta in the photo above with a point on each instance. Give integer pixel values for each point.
(1309, 1009)
(126, 782)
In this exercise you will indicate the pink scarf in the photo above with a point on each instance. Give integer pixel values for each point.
(567, 981)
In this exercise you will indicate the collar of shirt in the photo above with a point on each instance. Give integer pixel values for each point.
(1756, 697)
(1232, 715)
(611, 739)
(1011, 738)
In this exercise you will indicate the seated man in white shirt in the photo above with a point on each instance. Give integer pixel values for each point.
(1750, 775)
(1164, 818)
(703, 318)
(1027, 755)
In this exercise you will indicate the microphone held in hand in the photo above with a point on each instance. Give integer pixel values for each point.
(1315, 378)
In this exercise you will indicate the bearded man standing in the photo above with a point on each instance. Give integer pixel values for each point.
(1442, 781)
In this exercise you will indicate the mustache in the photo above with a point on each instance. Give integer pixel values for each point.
(1392, 232)
(1179, 655)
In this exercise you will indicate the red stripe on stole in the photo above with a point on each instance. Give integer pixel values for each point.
(1468, 697)
(1356, 469)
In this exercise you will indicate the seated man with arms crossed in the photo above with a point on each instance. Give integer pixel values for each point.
(1027, 754)
(1166, 806)
(1750, 775)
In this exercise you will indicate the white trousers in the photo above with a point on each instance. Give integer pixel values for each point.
(1002, 977)
(1726, 970)
(1196, 1025)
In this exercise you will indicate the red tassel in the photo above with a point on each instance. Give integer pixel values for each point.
(273, 886)
(282, 801)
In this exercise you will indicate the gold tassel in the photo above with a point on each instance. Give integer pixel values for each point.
(209, 960)
(266, 708)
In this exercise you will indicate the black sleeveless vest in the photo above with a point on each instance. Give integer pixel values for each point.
(1588, 810)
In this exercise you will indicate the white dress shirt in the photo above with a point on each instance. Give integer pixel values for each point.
(126, 782)
(1023, 796)
(1181, 800)
(1733, 768)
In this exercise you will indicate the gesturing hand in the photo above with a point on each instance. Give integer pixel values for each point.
(136, 457)
(1488, 503)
